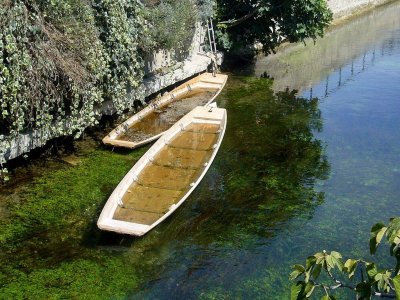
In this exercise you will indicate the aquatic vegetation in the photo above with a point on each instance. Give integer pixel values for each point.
(47, 223)
(256, 212)
(69, 196)
(50, 228)
(104, 277)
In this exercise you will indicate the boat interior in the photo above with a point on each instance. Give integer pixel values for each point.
(168, 176)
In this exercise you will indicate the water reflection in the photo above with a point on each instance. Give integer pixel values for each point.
(272, 136)
(348, 49)
(356, 67)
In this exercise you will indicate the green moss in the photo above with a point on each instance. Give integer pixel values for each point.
(70, 196)
(46, 227)
(79, 279)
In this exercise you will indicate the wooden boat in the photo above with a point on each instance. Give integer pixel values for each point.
(151, 122)
(166, 174)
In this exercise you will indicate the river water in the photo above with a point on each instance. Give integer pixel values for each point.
(297, 173)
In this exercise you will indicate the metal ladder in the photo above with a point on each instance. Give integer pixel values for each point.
(213, 45)
(211, 36)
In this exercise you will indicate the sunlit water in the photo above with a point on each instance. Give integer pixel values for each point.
(295, 174)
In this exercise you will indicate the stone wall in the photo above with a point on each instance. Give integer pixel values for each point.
(345, 8)
(162, 71)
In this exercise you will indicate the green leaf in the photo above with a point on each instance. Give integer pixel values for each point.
(307, 276)
(329, 261)
(372, 270)
(337, 260)
(350, 267)
(301, 290)
(396, 283)
(380, 235)
(309, 289)
(316, 271)
(320, 258)
(377, 232)
(298, 270)
(382, 280)
(379, 282)
(336, 255)
(393, 229)
(297, 290)
(311, 260)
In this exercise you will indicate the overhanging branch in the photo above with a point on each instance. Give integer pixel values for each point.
(232, 23)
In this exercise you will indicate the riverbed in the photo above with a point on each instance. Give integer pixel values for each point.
(309, 162)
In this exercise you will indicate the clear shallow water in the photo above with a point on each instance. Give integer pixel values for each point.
(293, 176)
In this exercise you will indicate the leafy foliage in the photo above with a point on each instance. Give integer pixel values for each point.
(120, 24)
(171, 25)
(269, 22)
(59, 60)
(372, 280)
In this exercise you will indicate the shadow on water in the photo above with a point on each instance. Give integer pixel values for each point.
(263, 176)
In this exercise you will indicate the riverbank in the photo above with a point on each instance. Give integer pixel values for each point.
(343, 10)
(64, 66)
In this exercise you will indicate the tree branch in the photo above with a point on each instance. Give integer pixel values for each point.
(232, 23)
(341, 284)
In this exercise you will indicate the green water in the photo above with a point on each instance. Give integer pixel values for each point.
(296, 173)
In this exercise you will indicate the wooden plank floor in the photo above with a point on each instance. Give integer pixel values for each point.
(167, 178)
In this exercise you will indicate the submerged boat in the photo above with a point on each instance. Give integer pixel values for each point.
(166, 174)
(151, 122)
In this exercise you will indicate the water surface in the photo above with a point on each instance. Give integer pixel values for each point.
(296, 173)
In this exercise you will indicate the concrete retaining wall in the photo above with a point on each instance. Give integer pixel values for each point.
(345, 8)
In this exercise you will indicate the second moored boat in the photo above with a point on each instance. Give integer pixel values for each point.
(151, 122)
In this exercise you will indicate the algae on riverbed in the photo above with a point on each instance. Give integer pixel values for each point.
(50, 219)
(58, 252)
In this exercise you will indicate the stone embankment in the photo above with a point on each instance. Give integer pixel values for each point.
(162, 71)
(346, 8)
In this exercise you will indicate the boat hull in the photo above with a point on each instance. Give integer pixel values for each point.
(166, 175)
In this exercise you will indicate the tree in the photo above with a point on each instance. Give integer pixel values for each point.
(370, 280)
(269, 22)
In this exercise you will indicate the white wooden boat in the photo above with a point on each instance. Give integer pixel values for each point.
(166, 174)
(151, 122)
